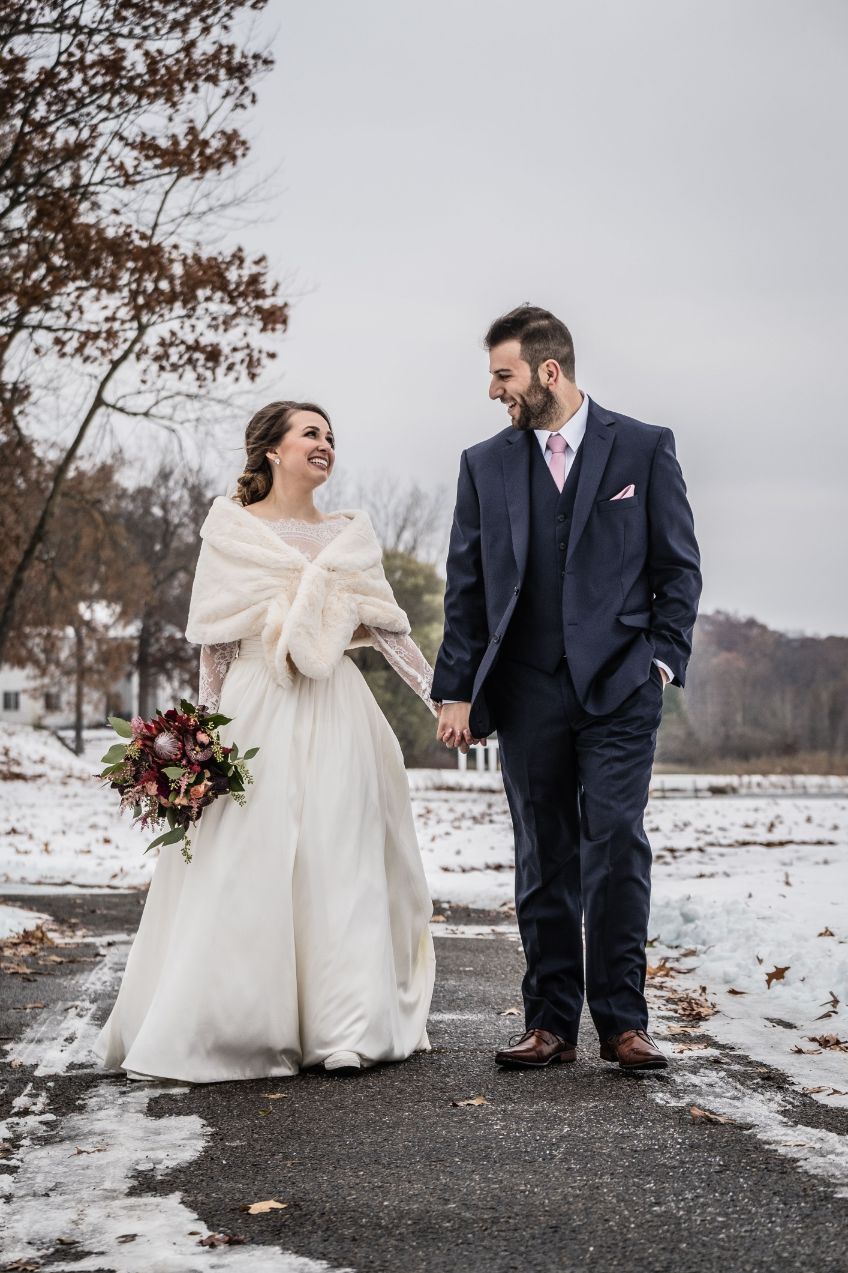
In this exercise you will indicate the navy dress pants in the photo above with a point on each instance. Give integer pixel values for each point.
(577, 787)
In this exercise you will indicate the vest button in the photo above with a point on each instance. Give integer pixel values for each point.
(562, 547)
(560, 517)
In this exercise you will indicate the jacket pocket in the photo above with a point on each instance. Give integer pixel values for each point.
(637, 619)
(618, 505)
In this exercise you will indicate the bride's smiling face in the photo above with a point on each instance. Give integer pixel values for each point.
(307, 450)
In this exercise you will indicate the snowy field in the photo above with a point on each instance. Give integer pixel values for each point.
(749, 890)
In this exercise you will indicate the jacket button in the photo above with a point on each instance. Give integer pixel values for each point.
(562, 548)
(560, 517)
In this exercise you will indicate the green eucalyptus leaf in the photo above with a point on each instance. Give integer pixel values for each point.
(121, 726)
(115, 754)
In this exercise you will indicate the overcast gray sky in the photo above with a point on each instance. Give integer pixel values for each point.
(667, 177)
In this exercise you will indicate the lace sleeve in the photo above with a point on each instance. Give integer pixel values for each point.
(214, 662)
(404, 656)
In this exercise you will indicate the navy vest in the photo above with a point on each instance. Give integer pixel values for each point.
(536, 632)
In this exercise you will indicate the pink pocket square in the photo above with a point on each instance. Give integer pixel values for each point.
(627, 493)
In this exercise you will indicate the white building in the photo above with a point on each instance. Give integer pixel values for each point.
(25, 700)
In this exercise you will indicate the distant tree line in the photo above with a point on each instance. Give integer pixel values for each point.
(757, 698)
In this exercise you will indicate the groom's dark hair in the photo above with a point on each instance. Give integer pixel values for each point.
(540, 334)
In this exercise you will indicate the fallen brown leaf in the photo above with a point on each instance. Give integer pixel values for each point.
(29, 1007)
(100, 1150)
(438, 919)
(806, 1051)
(706, 1116)
(829, 1041)
(776, 974)
(222, 1239)
(259, 1208)
(733, 991)
(825, 932)
(695, 1007)
(509, 1012)
(275, 1096)
(475, 1100)
(126, 1237)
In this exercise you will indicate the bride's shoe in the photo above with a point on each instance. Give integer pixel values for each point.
(343, 1063)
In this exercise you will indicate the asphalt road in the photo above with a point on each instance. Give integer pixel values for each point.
(581, 1167)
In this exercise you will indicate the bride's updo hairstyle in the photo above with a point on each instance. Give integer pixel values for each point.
(265, 432)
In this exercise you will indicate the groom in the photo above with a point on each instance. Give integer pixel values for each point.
(572, 589)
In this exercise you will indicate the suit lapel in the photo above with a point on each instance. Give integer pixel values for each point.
(596, 447)
(516, 473)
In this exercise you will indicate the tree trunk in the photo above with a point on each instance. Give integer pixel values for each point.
(79, 689)
(146, 673)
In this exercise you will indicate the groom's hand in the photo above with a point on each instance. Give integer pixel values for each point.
(453, 728)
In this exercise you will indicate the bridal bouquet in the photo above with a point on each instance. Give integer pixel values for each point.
(172, 767)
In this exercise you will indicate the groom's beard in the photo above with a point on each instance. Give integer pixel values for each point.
(539, 410)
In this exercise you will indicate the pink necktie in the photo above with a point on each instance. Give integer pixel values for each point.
(556, 444)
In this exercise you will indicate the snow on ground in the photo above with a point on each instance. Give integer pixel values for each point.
(748, 885)
(14, 920)
(58, 823)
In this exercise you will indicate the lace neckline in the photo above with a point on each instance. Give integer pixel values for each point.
(299, 521)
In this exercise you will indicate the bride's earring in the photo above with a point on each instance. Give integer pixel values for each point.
(275, 458)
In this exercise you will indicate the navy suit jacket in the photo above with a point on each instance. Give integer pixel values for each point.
(632, 571)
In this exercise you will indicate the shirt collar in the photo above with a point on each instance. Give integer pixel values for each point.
(573, 429)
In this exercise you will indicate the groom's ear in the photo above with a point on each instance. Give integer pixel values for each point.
(549, 373)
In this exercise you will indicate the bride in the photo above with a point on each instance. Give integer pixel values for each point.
(299, 934)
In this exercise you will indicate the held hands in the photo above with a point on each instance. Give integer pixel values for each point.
(453, 728)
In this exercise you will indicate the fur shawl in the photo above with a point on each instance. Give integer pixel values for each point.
(249, 582)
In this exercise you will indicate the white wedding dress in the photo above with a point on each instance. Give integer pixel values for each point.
(301, 926)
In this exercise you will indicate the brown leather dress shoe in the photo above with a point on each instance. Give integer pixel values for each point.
(633, 1050)
(535, 1049)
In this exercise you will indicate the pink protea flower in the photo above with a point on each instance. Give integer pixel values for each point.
(138, 726)
(167, 747)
